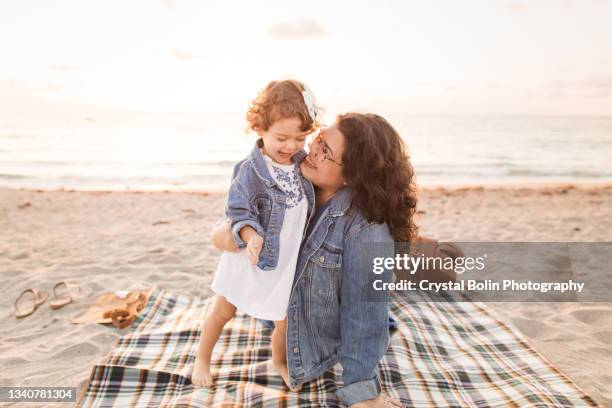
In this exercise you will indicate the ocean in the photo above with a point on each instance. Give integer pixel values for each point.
(198, 151)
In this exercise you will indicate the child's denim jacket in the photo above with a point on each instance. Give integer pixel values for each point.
(255, 199)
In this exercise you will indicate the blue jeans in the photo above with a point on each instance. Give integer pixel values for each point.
(270, 323)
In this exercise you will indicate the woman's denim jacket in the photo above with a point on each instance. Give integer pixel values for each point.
(255, 199)
(332, 315)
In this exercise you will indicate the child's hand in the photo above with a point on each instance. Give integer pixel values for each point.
(254, 245)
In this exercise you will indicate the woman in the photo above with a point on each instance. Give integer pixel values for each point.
(365, 195)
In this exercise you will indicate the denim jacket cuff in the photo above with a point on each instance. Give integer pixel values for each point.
(359, 391)
(241, 224)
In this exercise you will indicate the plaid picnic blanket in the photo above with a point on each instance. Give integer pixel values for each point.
(442, 354)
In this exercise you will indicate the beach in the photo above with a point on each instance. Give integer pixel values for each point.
(108, 241)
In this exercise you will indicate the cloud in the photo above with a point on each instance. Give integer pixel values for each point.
(557, 85)
(516, 7)
(303, 28)
(601, 84)
(8, 84)
(558, 88)
(184, 55)
(63, 67)
(168, 4)
(50, 87)
(595, 86)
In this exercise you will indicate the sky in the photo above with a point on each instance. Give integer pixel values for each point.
(494, 57)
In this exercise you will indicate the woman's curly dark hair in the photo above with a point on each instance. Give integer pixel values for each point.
(377, 168)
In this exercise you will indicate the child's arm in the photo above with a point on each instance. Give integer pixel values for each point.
(240, 213)
(221, 237)
(254, 243)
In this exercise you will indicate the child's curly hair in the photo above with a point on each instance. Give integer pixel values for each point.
(279, 100)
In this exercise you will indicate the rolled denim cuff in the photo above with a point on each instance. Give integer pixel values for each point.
(241, 224)
(359, 391)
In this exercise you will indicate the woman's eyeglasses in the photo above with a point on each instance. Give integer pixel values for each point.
(321, 146)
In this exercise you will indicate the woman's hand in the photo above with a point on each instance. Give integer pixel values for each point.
(222, 239)
(380, 401)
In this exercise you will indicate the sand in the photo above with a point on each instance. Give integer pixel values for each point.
(128, 240)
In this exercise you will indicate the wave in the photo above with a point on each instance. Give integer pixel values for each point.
(14, 176)
(90, 163)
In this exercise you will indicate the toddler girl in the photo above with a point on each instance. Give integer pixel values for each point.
(268, 205)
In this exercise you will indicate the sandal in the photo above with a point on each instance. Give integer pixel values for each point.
(39, 299)
(74, 292)
(58, 302)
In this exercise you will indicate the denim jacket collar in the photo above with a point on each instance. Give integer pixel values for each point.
(338, 205)
(340, 202)
(260, 165)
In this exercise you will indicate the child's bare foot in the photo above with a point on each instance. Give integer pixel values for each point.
(284, 372)
(200, 375)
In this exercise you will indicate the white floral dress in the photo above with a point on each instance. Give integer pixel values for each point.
(265, 294)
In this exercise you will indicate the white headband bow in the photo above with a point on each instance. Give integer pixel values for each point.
(311, 103)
